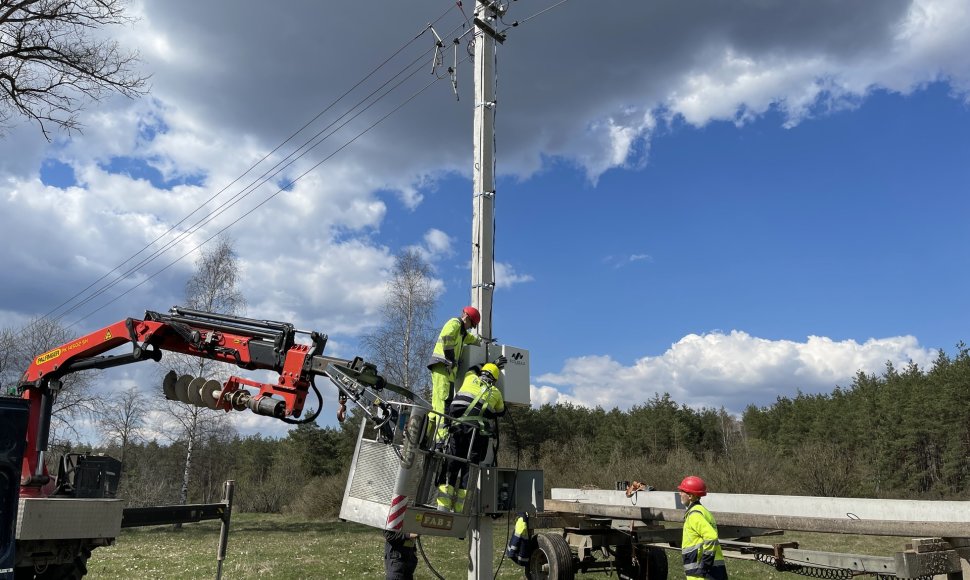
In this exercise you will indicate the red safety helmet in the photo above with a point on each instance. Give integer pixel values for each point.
(473, 314)
(693, 485)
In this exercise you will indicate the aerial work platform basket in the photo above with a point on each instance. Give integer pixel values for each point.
(393, 475)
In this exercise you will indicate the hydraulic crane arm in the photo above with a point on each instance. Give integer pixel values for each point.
(247, 343)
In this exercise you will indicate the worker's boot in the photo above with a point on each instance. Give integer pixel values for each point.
(445, 501)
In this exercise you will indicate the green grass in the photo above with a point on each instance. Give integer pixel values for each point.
(280, 547)
(269, 547)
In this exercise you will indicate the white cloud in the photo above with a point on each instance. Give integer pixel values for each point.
(621, 261)
(730, 370)
(551, 396)
(435, 246)
(221, 101)
(506, 276)
(596, 104)
(711, 61)
(612, 142)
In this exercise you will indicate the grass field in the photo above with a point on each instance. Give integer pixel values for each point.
(278, 547)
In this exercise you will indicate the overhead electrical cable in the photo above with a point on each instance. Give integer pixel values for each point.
(259, 181)
(249, 189)
(251, 168)
(268, 175)
(543, 11)
(260, 204)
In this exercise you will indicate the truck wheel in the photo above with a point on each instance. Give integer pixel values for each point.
(551, 559)
(651, 563)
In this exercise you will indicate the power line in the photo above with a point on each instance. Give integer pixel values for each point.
(539, 13)
(230, 184)
(250, 188)
(260, 204)
(266, 176)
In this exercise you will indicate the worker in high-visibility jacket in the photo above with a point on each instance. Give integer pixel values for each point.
(520, 545)
(477, 405)
(452, 339)
(400, 555)
(700, 547)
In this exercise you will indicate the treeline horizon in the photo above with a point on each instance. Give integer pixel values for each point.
(902, 433)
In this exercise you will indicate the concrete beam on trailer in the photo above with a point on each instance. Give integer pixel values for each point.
(775, 522)
(785, 505)
(917, 516)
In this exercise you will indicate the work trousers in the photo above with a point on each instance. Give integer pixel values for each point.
(442, 391)
(717, 572)
(463, 440)
(400, 558)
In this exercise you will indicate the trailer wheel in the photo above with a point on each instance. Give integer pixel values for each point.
(651, 563)
(656, 560)
(551, 559)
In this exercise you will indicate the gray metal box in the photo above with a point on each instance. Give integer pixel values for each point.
(507, 490)
(515, 381)
(69, 518)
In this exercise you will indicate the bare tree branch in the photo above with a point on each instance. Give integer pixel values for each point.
(75, 400)
(123, 418)
(53, 58)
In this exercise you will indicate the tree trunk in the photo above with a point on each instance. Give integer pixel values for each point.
(184, 492)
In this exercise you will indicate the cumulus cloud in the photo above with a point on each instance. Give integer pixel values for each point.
(597, 104)
(230, 110)
(506, 276)
(435, 246)
(729, 370)
(732, 62)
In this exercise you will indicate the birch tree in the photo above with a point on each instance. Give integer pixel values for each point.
(402, 344)
(213, 288)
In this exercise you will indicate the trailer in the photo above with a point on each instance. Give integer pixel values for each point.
(588, 531)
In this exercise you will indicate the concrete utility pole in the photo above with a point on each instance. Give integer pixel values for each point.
(483, 170)
(481, 545)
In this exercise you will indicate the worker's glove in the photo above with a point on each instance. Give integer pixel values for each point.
(492, 340)
(500, 361)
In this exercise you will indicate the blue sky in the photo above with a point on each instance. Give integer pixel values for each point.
(728, 203)
(851, 226)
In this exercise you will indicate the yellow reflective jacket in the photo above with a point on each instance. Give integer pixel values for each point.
(700, 548)
(520, 546)
(476, 398)
(451, 341)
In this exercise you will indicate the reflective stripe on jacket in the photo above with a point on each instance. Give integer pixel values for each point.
(451, 341)
(520, 548)
(486, 400)
(700, 548)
